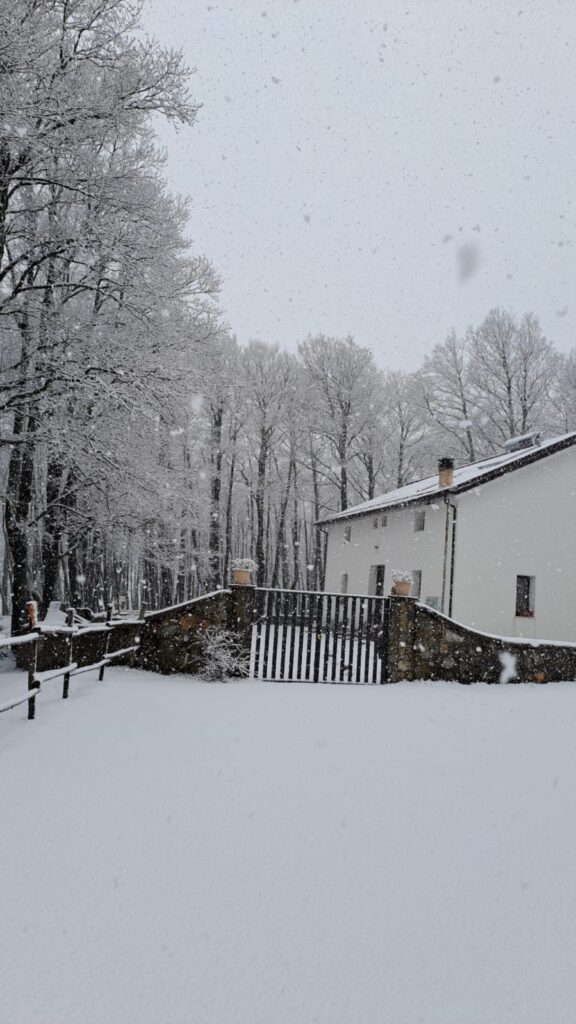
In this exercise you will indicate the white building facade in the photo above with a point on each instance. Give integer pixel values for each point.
(492, 545)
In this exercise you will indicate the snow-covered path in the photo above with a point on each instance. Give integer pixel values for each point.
(173, 852)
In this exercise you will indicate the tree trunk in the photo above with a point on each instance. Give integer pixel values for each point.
(260, 509)
(51, 534)
(280, 554)
(215, 568)
(228, 535)
(316, 569)
(342, 456)
(295, 542)
(371, 474)
(18, 500)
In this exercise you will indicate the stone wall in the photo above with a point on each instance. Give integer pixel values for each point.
(58, 647)
(423, 644)
(171, 639)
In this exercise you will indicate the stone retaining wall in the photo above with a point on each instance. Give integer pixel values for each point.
(423, 644)
(171, 639)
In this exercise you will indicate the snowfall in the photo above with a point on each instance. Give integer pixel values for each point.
(179, 852)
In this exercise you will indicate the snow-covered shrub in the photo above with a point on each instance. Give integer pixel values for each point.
(223, 654)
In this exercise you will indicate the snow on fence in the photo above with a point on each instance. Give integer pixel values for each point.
(80, 643)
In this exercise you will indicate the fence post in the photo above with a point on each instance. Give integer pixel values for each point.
(70, 623)
(107, 644)
(32, 663)
(109, 610)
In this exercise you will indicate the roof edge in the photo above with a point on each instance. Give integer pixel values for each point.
(442, 493)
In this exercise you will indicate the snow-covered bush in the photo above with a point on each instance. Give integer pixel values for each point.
(223, 654)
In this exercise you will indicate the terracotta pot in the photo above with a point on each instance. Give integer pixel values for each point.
(242, 577)
(402, 588)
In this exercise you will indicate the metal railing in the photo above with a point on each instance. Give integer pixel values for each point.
(308, 636)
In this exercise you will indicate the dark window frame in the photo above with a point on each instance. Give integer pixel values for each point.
(525, 594)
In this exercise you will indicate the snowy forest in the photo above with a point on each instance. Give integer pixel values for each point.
(142, 447)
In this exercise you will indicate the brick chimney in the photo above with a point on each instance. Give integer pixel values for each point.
(445, 472)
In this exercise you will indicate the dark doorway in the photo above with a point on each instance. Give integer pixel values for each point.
(376, 581)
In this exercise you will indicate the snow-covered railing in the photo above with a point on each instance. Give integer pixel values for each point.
(18, 700)
(16, 641)
(74, 639)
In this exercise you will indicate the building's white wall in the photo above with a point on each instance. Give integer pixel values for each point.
(396, 546)
(524, 523)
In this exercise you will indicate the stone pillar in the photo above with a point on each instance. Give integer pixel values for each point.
(241, 606)
(401, 638)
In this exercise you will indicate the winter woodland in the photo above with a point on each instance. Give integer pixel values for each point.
(143, 448)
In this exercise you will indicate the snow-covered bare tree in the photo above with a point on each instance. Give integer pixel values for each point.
(268, 375)
(513, 371)
(97, 296)
(341, 381)
(406, 429)
(447, 397)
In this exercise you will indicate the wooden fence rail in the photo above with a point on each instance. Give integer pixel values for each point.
(79, 645)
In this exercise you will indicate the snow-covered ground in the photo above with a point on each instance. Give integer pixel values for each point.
(174, 852)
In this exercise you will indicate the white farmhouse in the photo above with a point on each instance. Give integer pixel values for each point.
(492, 544)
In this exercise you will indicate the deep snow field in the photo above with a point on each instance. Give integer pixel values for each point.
(178, 852)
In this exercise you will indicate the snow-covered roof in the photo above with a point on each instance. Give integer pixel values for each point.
(465, 478)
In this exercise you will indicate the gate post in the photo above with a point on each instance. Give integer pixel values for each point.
(240, 616)
(401, 638)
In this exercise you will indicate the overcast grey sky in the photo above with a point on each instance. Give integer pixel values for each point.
(382, 168)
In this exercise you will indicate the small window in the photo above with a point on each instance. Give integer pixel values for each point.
(383, 520)
(375, 523)
(347, 534)
(416, 583)
(344, 583)
(419, 521)
(525, 596)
